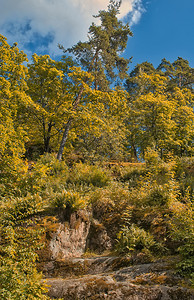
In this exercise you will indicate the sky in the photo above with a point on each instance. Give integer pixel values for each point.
(161, 28)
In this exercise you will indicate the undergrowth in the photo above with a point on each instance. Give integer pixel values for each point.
(147, 208)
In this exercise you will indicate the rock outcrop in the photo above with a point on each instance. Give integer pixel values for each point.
(70, 238)
(99, 278)
(69, 275)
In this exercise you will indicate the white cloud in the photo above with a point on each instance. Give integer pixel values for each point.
(42, 24)
(136, 12)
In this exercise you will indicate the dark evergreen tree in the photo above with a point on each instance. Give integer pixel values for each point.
(100, 56)
(179, 73)
(134, 83)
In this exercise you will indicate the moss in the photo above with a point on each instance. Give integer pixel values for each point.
(89, 254)
(180, 293)
(84, 214)
(121, 262)
(77, 224)
(150, 279)
(67, 268)
(98, 288)
(50, 225)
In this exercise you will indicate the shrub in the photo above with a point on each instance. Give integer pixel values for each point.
(132, 174)
(152, 158)
(24, 180)
(17, 209)
(19, 278)
(55, 167)
(184, 173)
(110, 202)
(69, 199)
(132, 238)
(157, 196)
(182, 231)
(157, 186)
(90, 175)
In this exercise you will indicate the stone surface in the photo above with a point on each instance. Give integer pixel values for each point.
(100, 278)
(70, 276)
(70, 238)
(105, 287)
(98, 239)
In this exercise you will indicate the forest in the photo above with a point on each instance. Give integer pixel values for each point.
(87, 133)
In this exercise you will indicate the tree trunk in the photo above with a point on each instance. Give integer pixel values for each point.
(75, 105)
(64, 138)
(46, 144)
(68, 125)
(47, 139)
(133, 153)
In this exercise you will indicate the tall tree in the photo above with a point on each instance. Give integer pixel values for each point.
(103, 137)
(151, 115)
(50, 89)
(134, 84)
(183, 116)
(161, 118)
(13, 98)
(100, 56)
(179, 72)
(138, 84)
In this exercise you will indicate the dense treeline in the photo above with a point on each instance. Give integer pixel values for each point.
(59, 118)
(91, 106)
(154, 108)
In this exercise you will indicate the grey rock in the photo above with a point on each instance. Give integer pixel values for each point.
(70, 238)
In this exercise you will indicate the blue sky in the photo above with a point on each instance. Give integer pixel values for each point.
(166, 29)
(161, 28)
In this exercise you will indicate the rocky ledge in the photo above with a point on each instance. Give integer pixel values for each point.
(111, 278)
(70, 275)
